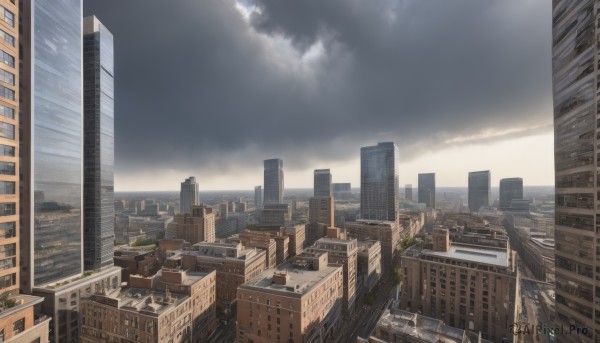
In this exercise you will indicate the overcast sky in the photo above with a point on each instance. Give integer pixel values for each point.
(211, 88)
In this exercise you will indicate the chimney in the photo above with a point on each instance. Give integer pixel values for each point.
(280, 278)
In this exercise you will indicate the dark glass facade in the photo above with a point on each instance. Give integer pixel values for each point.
(427, 189)
(273, 181)
(510, 189)
(576, 123)
(52, 140)
(322, 183)
(98, 187)
(480, 190)
(379, 182)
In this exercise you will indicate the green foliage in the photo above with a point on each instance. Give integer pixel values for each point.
(396, 277)
(6, 301)
(144, 242)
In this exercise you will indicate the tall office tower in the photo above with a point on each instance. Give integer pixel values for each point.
(480, 189)
(322, 183)
(258, 197)
(9, 150)
(408, 191)
(99, 142)
(52, 141)
(379, 182)
(510, 189)
(577, 235)
(427, 189)
(188, 196)
(273, 182)
(321, 213)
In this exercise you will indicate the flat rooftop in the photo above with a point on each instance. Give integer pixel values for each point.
(299, 282)
(483, 255)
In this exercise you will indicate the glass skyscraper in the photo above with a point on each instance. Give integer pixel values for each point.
(510, 189)
(480, 189)
(258, 197)
(576, 112)
(379, 183)
(52, 141)
(322, 183)
(273, 181)
(99, 141)
(427, 189)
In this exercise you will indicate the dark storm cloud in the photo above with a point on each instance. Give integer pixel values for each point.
(198, 86)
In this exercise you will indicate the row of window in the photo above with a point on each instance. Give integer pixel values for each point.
(6, 92)
(7, 37)
(7, 58)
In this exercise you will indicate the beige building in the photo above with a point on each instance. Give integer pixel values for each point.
(299, 301)
(344, 252)
(234, 264)
(472, 287)
(9, 150)
(402, 326)
(297, 234)
(197, 226)
(172, 306)
(18, 321)
(368, 265)
(387, 233)
(321, 213)
(260, 240)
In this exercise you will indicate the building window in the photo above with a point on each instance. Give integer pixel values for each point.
(8, 112)
(9, 17)
(2, 335)
(7, 93)
(6, 150)
(8, 250)
(7, 77)
(7, 230)
(7, 168)
(19, 326)
(7, 280)
(7, 187)
(7, 38)
(7, 130)
(7, 58)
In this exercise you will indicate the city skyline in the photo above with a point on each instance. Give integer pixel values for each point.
(502, 101)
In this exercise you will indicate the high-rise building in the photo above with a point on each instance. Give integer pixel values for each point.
(10, 251)
(320, 216)
(427, 189)
(408, 191)
(510, 189)
(575, 71)
(52, 141)
(99, 141)
(188, 196)
(342, 190)
(197, 226)
(258, 197)
(480, 190)
(379, 182)
(273, 182)
(322, 183)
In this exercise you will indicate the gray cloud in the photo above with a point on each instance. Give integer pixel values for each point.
(198, 86)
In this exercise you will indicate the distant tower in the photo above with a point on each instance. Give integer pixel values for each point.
(427, 189)
(379, 182)
(408, 191)
(510, 189)
(322, 183)
(480, 190)
(188, 196)
(258, 197)
(99, 142)
(273, 181)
